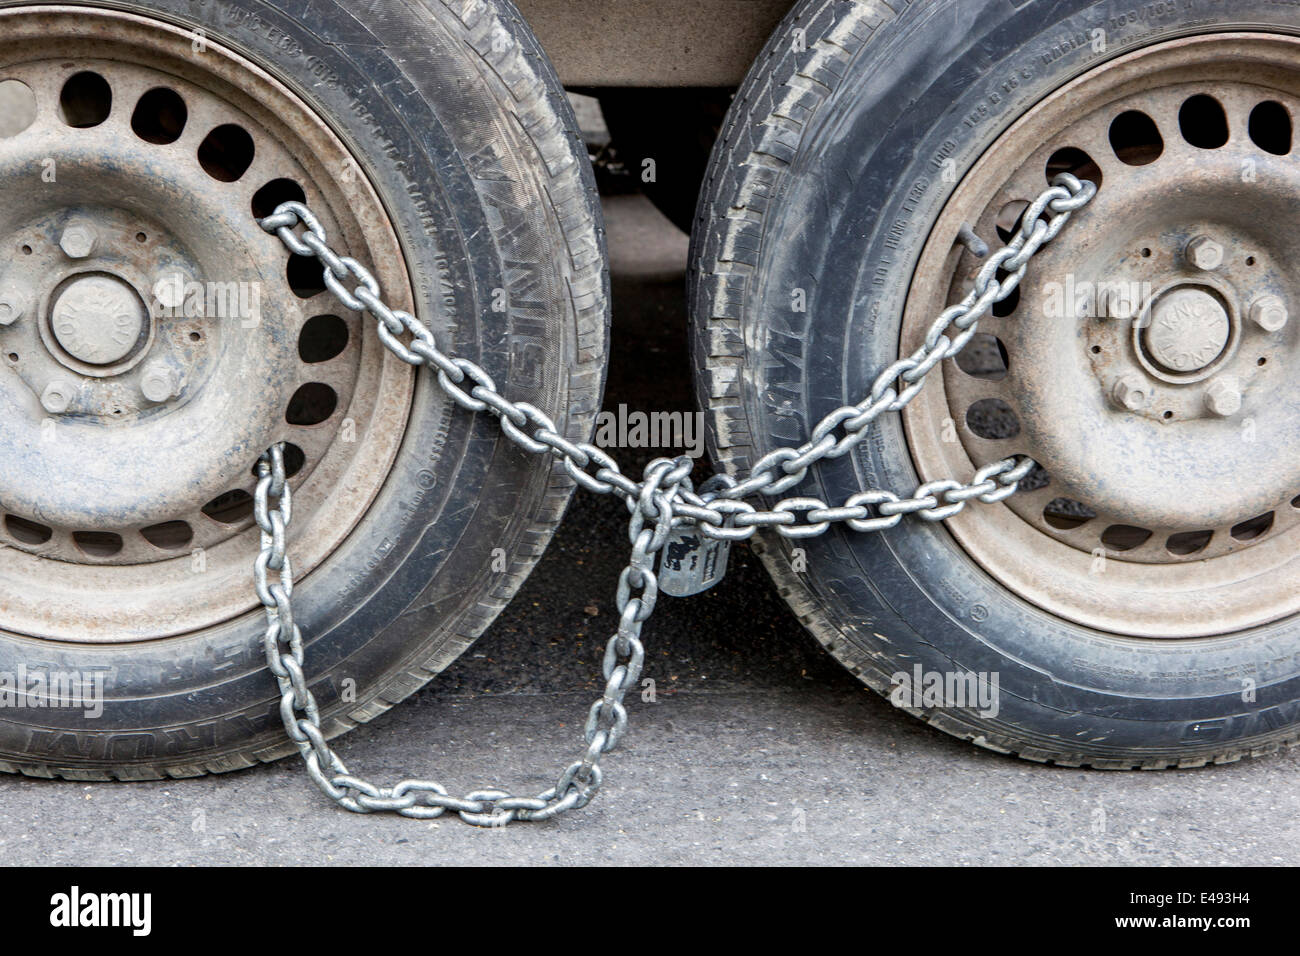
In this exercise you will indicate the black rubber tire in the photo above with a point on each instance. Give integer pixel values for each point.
(827, 171)
(460, 121)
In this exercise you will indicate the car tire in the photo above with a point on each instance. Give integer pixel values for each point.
(827, 180)
(458, 122)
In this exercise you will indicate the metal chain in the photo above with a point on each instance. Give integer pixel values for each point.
(663, 501)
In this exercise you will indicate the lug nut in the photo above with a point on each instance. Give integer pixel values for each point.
(1204, 253)
(13, 304)
(1223, 398)
(169, 290)
(78, 242)
(158, 381)
(1131, 393)
(57, 397)
(1116, 302)
(1269, 313)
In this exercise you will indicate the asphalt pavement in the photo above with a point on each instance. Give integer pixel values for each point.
(757, 747)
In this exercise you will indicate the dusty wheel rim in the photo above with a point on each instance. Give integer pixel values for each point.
(157, 339)
(1142, 363)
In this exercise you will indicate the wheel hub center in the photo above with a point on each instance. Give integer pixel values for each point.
(1189, 330)
(98, 319)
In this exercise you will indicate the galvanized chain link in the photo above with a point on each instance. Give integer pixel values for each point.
(662, 501)
(606, 721)
(898, 384)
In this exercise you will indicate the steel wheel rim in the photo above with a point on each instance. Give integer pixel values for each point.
(190, 209)
(1218, 585)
